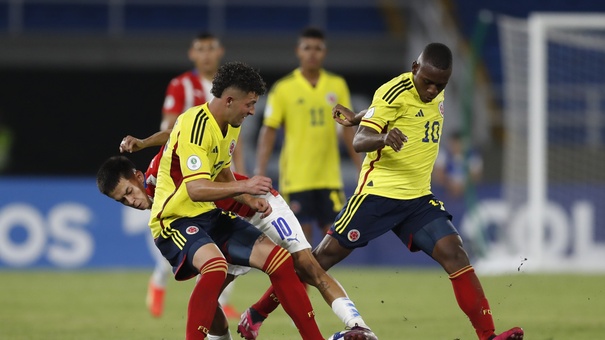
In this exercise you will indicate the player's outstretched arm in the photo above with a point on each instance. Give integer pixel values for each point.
(368, 139)
(205, 190)
(132, 144)
(257, 203)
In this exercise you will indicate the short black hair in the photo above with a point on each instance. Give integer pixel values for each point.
(205, 35)
(438, 55)
(111, 171)
(239, 75)
(312, 32)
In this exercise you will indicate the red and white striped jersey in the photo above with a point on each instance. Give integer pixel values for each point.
(184, 92)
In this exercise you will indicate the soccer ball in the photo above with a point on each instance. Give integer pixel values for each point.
(355, 333)
(338, 335)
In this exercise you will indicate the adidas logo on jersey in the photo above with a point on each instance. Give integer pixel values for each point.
(420, 114)
(215, 150)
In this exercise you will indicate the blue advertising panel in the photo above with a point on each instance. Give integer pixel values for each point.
(68, 224)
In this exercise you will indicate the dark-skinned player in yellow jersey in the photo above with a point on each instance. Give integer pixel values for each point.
(400, 133)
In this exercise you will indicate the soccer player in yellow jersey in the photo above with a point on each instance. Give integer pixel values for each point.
(193, 234)
(309, 164)
(400, 133)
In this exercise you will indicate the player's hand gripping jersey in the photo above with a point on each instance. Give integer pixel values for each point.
(405, 174)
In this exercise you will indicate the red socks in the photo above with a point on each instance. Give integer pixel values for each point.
(291, 293)
(267, 303)
(472, 301)
(204, 298)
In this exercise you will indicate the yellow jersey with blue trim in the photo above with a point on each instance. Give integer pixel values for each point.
(405, 174)
(309, 157)
(196, 149)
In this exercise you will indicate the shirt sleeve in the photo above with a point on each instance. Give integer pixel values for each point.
(193, 157)
(380, 113)
(275, 109)
(174, 101)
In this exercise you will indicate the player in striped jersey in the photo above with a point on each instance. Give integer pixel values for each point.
(193, 87)
(400, 133)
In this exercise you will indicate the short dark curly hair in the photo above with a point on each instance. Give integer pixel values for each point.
(111, 171)
(239, 75)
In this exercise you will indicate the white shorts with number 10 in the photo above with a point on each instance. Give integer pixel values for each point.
(282, 227)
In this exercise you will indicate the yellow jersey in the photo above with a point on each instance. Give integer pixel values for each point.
(310, 156)
(196, 149)
(405, 174)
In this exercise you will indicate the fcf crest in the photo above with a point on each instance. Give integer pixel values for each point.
(441, 109)
(353, 235)
(192, 230)
(331, 98)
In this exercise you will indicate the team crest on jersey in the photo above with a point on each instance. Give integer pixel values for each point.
(331, 98)
(441, 109)
(231, 147)
(194, 163)
(192, 230)
(353, 235)
(369, 113)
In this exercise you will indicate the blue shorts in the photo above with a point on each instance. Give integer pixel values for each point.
(366, 217)
(179, 241)
(320, 205)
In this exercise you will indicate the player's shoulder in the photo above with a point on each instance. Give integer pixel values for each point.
(179, 78)
(333, 75)
(396, 88)
(284, 81)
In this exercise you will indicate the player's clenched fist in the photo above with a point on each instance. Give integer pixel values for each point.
(261, 205)
(395, 139)
(130, 144)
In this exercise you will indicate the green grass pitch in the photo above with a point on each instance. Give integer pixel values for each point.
(398, 303)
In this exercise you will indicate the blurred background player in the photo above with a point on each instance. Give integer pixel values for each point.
(190, 89)
(309, 164)
(457, 166)
(400, 133)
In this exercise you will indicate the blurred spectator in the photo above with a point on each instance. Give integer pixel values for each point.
(6, 143)
(455, 166)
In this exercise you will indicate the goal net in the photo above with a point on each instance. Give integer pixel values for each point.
(553, 206)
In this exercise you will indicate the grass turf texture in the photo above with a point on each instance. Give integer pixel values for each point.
(398, 303)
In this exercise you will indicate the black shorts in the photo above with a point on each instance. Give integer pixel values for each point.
(320, 205)
(179, 241)
(366, 217)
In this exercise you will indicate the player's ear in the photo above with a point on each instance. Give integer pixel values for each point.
(415, 67)
(140, 176)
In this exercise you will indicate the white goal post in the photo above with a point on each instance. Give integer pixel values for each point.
(554, 151)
